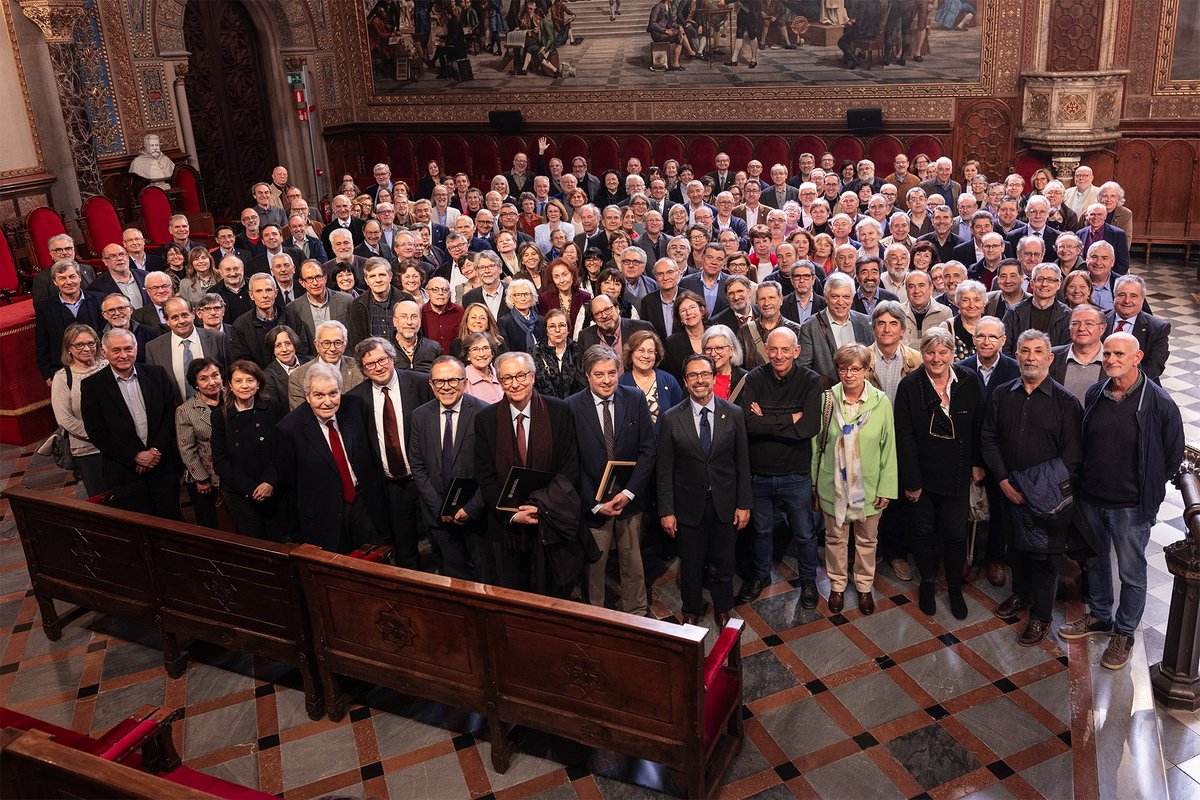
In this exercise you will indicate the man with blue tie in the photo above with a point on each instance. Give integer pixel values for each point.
(704, 489)
(442, 448)
(612, 423)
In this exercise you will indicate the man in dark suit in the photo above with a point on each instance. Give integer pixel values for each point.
(181, 232)
(120, 278)
(175, 350)
(722, 177)
(709, 282)
(1037, 211)
(1098, 230)
(658, 200)
(442, 448)
(658, 307)
(342, 220)
(299, 238)
(868, 270)
(994, 369)
(62, 248)
(129, 412)
(490, 292)
(593, 236)
(227, 246)
(52, 316)
(272, 239)
(390, 395)
(584, 179)
(610, 328)
(323, 458)
(818, 341)
(159, 289)
(383, 180)
(612, 423)
(1042, 310)
(343, 253)
(704, 489)
(779, 192)
(1129, 316)
(971, 250)
(372, 245)
(251, 328)
(529, 430)
(803, 301)
(944, 241)
(318, 303)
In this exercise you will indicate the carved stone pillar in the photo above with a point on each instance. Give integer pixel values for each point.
(185, 118)
(57, 20)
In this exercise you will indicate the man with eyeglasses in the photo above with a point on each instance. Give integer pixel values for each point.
(129, 413)
(390, 396)
(633, 269)
(1078, 364)
(490, 291)
(233, 288)
(704, 488)
(211, 313)
(1042, 311)
(804, 301)
(610, 327)
(984, 270)
(175, 351)
(159, 288)
(135, 247)
(53, 315)
(118, 313)
(119, 277)
(529, 430)
(658, 307)
(994, 369)
(442, 440)
(413, 351)
(62, 248)
(440, 316)
(299, 238)
(330, 346)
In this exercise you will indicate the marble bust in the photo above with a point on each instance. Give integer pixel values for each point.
(151, 164)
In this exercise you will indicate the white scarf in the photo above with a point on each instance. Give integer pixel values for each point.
(849, 495)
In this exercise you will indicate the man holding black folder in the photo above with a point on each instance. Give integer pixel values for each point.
(616, 445)
(524, 430)
(442, 454)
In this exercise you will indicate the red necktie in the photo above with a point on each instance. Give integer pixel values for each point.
(521, 448)
(1121, 326)
(391, 438)
(343, 466)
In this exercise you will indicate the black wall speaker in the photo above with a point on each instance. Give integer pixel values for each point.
(864, 120)
(506, 121)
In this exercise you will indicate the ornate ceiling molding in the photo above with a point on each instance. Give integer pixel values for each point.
(16, 51)
(55, 18)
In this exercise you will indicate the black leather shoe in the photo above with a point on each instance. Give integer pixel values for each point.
(926, 598)
(753, 589)
(1014, 605)
(866, 603)
(958, 604)
(837, 601)
(1035, 631)
(722, 620)
(808, 594)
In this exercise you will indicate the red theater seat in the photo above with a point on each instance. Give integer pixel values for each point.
(42, 223)
(846, 148)
(101, 226)
(187, 180)
(739, 149)
(667, 147)
(485, 161)
(156, 211)
(375, 151)
(400, 159)
(808, 144)
(701, 154)
(636, 147)
(604, 155)
(772, 150)
(928, 145)
(882, 150)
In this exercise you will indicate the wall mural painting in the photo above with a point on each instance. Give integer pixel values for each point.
(1185, 56)
(424, 46)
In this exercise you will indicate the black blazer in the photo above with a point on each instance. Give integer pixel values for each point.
(277, 378)
(651, 311)
(695, 283)
(414, 392)
(243, 447)
(262, 262)
(425, 457)
(633, 441)
(686, 474)
(492, 422)
(1153, 334)
(364, 251)
(355, 227)
(148, 315)
(105, 285)
(514, 333)
(1016, 322)
(51, 320)
(306, 468)
(929, 462)
(111, 428)
(476, 296)
(1049, 237)
(789, 310)
(945, 251)
(1006, 370)
(591, 334)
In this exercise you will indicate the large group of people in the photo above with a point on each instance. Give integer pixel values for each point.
(833, 354)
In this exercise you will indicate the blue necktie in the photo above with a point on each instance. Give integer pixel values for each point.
(705, 432)
(187, 362)
(448, 450)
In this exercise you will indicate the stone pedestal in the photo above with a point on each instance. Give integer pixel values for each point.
(1069, 114)
(820, 35)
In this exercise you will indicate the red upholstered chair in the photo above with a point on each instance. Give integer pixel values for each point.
(568, 147)
(42, 223)
(191, 198)
(846, 148)
(156, 211)
(667, 147)
(10, 276)
(772, 150)
(603, 155)
(739, 149)
(1027, 164)
(399, 156)
(808, 144)
(636, 147)
(701, 154)
(485, 160)
(456, 155)
(929, 145)
(882, 150)
(509, 146)
(426, 149)
(101, 227)
(374, 151)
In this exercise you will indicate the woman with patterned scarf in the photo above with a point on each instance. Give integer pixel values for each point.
(854, 472)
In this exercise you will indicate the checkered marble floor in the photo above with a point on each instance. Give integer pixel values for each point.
(896, 705)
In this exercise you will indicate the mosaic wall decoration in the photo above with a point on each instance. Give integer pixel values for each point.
(94, 73)
(156, 98)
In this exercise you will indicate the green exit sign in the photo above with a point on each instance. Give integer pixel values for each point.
(295, 77)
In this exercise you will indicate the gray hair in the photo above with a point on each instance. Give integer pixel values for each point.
(893, 309)
(376, 262)
(1112, 185)
(64, 264)
(112, 331)
(1102, 245)
(519, 355)
(339, 233)
(371, 343)
(713, 331)
(320, 369)
(261, 277)
(1045, 266)
(58, 237)
(333, 323)
(969, 286)
(990, 320)
(1026, 241)
(517, 284)
(636, 252)
(486, 255)
(741, 280)
(1125, 280)
(1033, 333)
(935, 337)
(867, 222)
(839, 280)
(1037, 199)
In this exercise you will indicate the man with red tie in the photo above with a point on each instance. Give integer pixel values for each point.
(323, 457)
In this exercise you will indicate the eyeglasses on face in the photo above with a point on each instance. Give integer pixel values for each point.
(329, 344)
(446, 383)
(695, 376)
(517, 377)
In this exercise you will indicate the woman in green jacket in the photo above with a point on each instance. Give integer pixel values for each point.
(855, 475)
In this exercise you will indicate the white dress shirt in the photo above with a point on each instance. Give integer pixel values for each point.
(393, 387)
(177, 369)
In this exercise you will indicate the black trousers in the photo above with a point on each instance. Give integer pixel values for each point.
(710, 543)
(404, 516)
(999, 522)
(357, 526)
(1035, 575)
(156, 493)
(894, 540)
(939, 534)
(251, 517)
(204, 506)
(454, 545)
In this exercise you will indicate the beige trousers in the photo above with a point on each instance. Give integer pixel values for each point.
(837, 546)
(627, 534)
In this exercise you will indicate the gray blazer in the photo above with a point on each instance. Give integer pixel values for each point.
(214, 346)
(193, 434)
(817, 346)
(339, 309)
(425, 456)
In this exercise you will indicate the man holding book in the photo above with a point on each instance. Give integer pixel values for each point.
(615, 440)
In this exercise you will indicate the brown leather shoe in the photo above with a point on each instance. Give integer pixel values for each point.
(866, 603)
(995, 573)
(1035, 631)
(1014, 605)
(690, 619)
(837, 601)
(722, 620)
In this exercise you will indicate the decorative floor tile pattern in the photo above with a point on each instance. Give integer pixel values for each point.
(892, 705)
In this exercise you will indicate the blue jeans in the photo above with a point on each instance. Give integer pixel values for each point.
(1117, 529)
(794, 493)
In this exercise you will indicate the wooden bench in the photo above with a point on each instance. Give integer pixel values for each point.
(232, 590)
(606, 679)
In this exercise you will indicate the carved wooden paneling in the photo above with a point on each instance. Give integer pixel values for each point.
(667, 147)
(1075, 28)
(985, 133)
(1104, 166)
(739, 150)
(1173, 201)
(231, 118)
(774, 150)
(1135, 166)
(808, 144)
